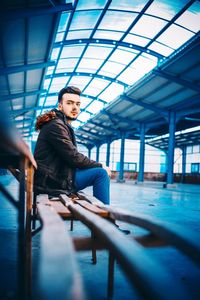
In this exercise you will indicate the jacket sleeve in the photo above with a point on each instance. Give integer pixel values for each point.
(59, 138)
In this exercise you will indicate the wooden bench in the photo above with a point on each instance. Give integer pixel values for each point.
(145, 273)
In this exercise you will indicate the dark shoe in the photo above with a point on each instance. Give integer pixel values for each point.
(125, 231)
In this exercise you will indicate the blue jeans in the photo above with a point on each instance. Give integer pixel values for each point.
(98, 179)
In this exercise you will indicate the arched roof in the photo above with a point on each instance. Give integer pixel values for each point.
(104, 47)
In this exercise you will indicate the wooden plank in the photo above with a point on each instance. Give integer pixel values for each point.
(93, 208)
(58, 274)
(180, 237)
(61, 209)
(151, 280)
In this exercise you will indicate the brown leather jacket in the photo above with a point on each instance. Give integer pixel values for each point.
(57, 156)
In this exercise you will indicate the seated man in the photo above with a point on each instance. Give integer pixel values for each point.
(61, 167)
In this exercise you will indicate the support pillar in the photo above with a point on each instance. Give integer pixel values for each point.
(171, 146)
(89, 152)
(97, 152)
(142, 154)
(183, 164)
(108, 153)
(122, 150)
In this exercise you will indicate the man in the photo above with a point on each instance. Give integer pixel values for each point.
(61, 167)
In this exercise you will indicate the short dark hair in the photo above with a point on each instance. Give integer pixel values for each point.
(68, 90)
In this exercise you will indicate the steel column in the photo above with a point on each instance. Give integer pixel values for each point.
(183, 163)
(121, 170)
(108, 154)
(97, 152)
(171, 145)
(142, 153)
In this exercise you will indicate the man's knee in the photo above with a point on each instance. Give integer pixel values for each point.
(102, 173)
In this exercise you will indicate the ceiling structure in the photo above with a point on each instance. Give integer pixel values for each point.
(135, 62)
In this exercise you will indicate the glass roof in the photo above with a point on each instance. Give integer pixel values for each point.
(103, 47)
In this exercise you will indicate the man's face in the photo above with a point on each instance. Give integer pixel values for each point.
(70, 106)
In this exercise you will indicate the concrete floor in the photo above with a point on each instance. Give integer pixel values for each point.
(177, 205)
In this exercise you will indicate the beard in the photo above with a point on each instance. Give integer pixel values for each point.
(71, 118)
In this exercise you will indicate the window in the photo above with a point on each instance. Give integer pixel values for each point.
(195, 167)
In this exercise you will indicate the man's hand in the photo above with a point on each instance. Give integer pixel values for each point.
(107, 169)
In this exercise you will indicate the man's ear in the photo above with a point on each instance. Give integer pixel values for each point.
(60, 106)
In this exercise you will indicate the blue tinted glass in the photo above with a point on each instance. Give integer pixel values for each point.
(85, 19)
(90, 4)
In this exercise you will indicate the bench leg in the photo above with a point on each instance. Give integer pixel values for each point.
(72, 224)
(34, 212)
(111, 264)
(94, 252)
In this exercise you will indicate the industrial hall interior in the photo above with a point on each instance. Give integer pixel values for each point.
(100, 149)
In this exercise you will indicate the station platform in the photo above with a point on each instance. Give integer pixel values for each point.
(177, 205)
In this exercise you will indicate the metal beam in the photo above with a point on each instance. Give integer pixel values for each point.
(108, 128)
(94, 135)
(28, 67)
(145, 105)
(109, 42)
(21, 95)
(34, 12)
(186, 102)
(91, 75)
(187, 112)
(83, 138)
(178, 80)
(120, 119)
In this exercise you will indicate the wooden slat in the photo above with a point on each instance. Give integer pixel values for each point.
(141, 269)
(180, 237)
(93, 208)
(58, 276)
(61, 209)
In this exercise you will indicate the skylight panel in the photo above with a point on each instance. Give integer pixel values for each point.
(112, 92)
(137, 40)
(116, 68)
(59, 80)
(63, 21)
(79, 81)
(78, 34)
(52, 100)
(122, 56)
(85, 19)
(128, 76)
(72, 51)
(91, 4)
(55, 53)
(55, 88)
(50, 70)
(129, 5)
(160, 48)
(99, 83)
(85, 101)
(92, 91)
(41, 101)
(148, 26)
(108, 34)
(91, 65)
(191, 18)
(46, 83)
(175, 36)
(66, 65)
(117, 20)
(95, 106)
(97, 52)
(143, 65)
(84, 116)
(59, 37)
(166, 9)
